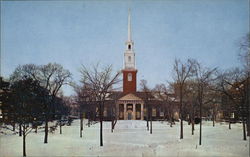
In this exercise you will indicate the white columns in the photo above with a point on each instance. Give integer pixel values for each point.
(125, 111)
(132, 109)
(134, 114)
(142, 111)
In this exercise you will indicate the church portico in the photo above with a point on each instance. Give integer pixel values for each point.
(130, 107)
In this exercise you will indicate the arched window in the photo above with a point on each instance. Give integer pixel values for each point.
(129, 46)
(129, 77)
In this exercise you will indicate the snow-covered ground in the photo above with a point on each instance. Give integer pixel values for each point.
(130, 138)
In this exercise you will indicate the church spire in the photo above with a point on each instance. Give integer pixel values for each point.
(129, 69)
(129, 55)
(129, 42)
(129, 26)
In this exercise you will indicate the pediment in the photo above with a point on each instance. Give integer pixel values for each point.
(130, 96)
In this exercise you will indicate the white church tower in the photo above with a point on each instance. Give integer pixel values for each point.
(129, 69)
(129, 55)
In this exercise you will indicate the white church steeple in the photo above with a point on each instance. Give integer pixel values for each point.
(129, 55)
(129, 26)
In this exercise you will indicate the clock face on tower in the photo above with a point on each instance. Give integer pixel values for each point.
(129, 77)
(129, 81)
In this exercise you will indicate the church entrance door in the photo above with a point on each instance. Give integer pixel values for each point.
(129, 115)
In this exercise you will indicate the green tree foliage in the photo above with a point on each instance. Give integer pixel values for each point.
(52, 77)
(23, 104)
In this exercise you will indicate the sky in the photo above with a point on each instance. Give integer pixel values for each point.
(75, 33)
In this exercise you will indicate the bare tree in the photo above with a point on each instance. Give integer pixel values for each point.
(26, 70)
(84, 100)
(63, 111)
(203, 78)
(233, 84)
(163, 94)
(222, 86)
(99, 83)
(213, 99)
(190, 97)
(182, 71)
(245, 57)
(193, 110)
(81, 123)
(53, 77)
(145, 89)
(50, 76)
(113, 111)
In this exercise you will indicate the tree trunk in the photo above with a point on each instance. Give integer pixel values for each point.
(151, 120)
(248, 115)
(181, 131)
(24, 142)
(88, 119)
(115, 121)
(112, 119)
(213, 118)
(243, 113)
(192, 126)
(101, 114)
(244, 130)
(248, 104)
(101, 138)
(189, 119)
(229, 125)
(20, 129)
(147, 117)
(60, 128)
(46, 131)
(171, 119)
(200, 119)
(181, 135)
(113, 126)
(169, 115)
(243, 122)
(81, 125)
(200, 131)
(248, 126)
(13, 126)
(192, 119)
(112, 123)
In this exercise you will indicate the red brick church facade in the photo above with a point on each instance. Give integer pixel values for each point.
(130, 104)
